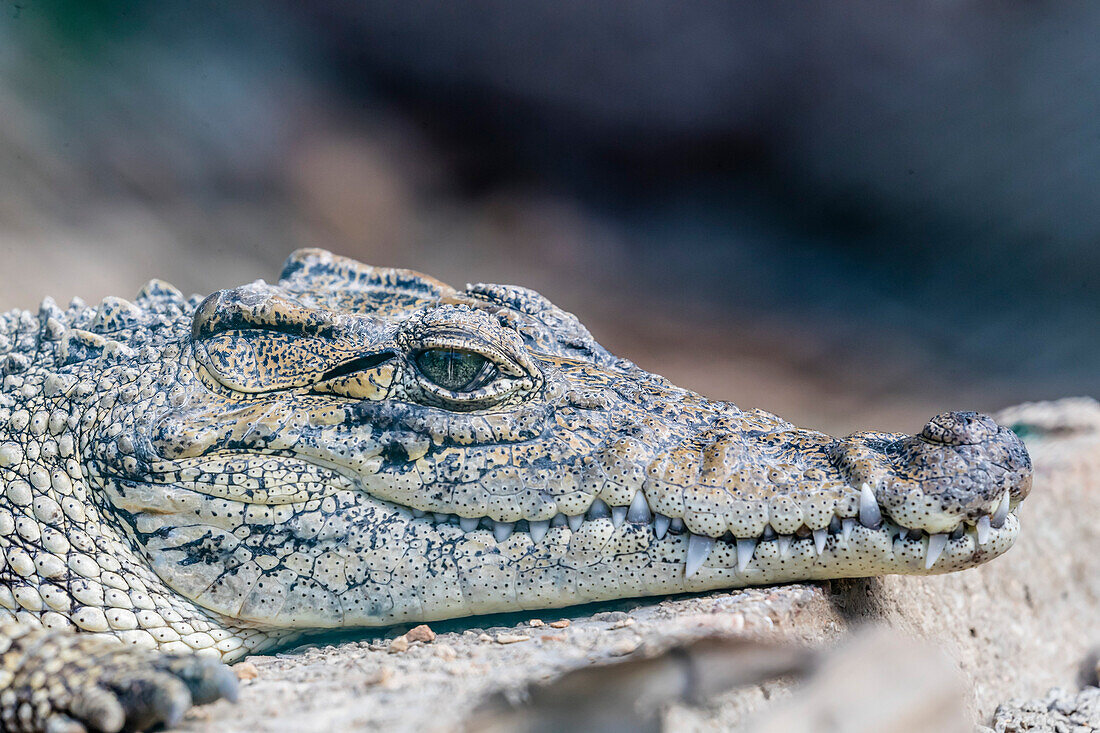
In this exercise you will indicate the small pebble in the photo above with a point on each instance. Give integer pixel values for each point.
(246, 671)
(622, 624)
(381, 676)
(562, 624)
(535, 622)
(446, 652)
(423, 633)
(609, 616)
(484, 637)
(398, 645)
(511, 638)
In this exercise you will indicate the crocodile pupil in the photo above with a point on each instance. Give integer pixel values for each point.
(450, 368)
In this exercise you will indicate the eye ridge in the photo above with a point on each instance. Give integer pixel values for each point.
(456, 370)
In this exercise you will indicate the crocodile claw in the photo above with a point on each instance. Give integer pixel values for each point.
(103, 686)
(159, 692)
(207, 679)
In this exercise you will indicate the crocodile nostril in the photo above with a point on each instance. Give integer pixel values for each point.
(959, 428)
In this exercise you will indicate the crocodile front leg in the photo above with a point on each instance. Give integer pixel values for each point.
(60, 681)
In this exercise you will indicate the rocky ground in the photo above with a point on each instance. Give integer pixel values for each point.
(1011, 630)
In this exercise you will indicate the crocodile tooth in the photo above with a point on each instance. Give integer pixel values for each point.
(936, 543)
(618, 515)
(869, 514)
(698, 551)
(676, 526)
(660, 525)
(440, 517)
(846, 526)
(983, 529)
(503, 530)
(469, 524)
(575, 521)
(820, 537)
(745, 549)
(559, 520)
(418, 513)
(1001, 514)
(538, 529)
(639, 510)
(598, 510)
(784, 543)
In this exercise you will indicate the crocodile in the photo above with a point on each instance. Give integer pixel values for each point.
(188, 480)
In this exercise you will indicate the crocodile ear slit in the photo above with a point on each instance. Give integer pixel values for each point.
(358, 364)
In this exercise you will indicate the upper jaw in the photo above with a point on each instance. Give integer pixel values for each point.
(890, 497)
(967, 543)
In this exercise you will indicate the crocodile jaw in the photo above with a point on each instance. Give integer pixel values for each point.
(353, 560)
(634, 563)
(849, 547)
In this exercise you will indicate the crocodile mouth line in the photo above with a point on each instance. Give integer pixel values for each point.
(836, 533)
(902, 540)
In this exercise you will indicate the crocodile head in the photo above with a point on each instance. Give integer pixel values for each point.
(364, 446)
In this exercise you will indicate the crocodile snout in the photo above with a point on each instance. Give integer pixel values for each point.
(961, 467)
(960, 428)
(968, 461)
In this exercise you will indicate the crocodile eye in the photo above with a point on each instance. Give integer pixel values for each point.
(455, 370)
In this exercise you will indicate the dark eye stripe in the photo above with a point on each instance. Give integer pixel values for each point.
(358, 365)
(452, 369)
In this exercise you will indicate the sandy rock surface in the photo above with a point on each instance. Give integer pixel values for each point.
(1014, 628)
(1060, 711)
(394, 684)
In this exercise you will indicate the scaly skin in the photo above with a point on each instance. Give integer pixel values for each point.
(358, 446)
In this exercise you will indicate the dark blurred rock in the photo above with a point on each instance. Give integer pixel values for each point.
(970, 115)
(926, 172)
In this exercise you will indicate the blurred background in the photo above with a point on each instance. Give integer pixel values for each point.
(855, 215)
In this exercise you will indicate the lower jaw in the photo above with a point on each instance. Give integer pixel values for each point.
(602, 562)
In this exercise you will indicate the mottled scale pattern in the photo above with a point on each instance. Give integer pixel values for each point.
(188, 478)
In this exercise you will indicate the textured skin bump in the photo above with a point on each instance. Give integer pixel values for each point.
(215, 475)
